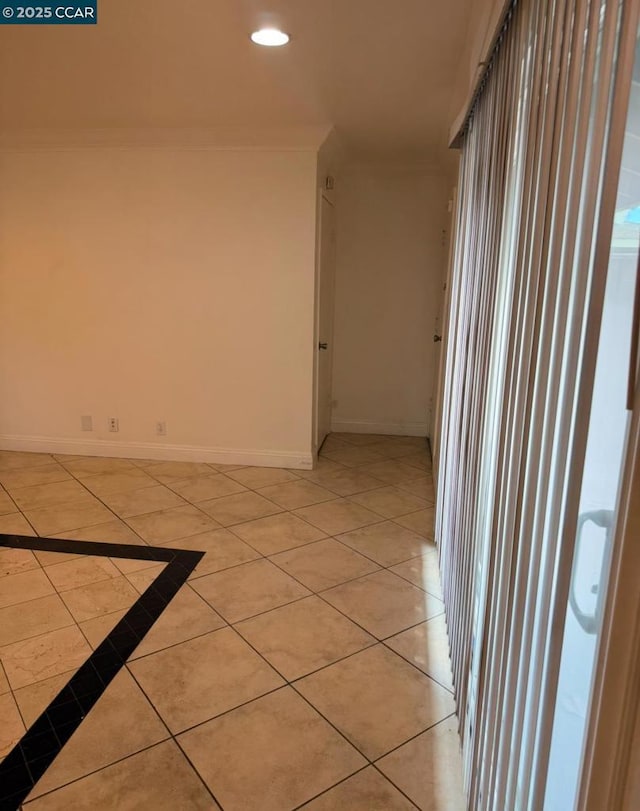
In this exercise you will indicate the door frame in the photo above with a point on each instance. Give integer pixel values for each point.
(436, 417)
(329, 196)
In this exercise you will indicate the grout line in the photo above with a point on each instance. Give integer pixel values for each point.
(260, 613)
(412, 738)
(199, 776)
(380, 640)
(171, 735)
(395, 785)
(330, 788)
(96, 771)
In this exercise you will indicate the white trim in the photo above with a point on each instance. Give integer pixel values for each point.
(164, 452)
(367, 427)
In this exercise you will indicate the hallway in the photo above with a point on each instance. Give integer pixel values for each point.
(303, 665)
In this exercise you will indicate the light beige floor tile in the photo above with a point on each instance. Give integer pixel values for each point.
(167, 472)
(119, 481)
(23, 586)
(87, 602)
(277, 532)
(421, 487)
(391, 471)
(80, 572)
(50, 558)
(50, 495)
(141, 502)
(203, 677)
(322, 465)
(94, 465)
(354, 439)
(324, 564)
(44, 656)
(376, 699)
(353, 457)
(429, 769)
(338, 516)
(421, 522)
(391, 450)
(55, 520)
(367, 790)
(249, 589)
(422, 571)
(25, 620)
(167, 526)
(143, 578)
(4, 684)
(383, 603)
(113, 531)
(335, 443)
(271, 754)
(34, 699)
(422, 461)
(20, 460)
(203, 488)
(11, 727)
(427, 647)
(186, 617)
(222, 550)
(43, 474)
(130, 565)
(296, 494)
(121, 723)
(389, 501)
(7, 505)
(143, 463)
(238, 508)
(15, 524)
(99, 628)
(303, 636)
(14, 561)
(386, 543)
(346, 481)
(256, 477)
(159, 778)
(219, 466)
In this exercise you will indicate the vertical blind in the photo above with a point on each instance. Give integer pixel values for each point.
(527, 281)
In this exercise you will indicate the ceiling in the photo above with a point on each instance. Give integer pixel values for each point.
(383, 73)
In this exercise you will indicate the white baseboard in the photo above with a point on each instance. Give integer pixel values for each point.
(164, 452)
(366, 427)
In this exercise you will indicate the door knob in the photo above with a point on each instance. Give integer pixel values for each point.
(323, 346)
(437, 339)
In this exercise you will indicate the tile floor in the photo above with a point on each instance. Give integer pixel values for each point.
(303, 665)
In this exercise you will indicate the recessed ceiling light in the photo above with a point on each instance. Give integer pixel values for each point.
(271, 37)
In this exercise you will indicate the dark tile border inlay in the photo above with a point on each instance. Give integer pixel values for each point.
(42, 742)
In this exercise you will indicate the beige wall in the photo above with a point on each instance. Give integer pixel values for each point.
(390, 267)
(158, 284)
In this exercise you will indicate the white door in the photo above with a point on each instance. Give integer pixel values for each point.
(327, 271)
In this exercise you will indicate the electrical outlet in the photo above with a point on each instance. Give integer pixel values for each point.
(113, 424)
(161, 428)
(86, 423)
